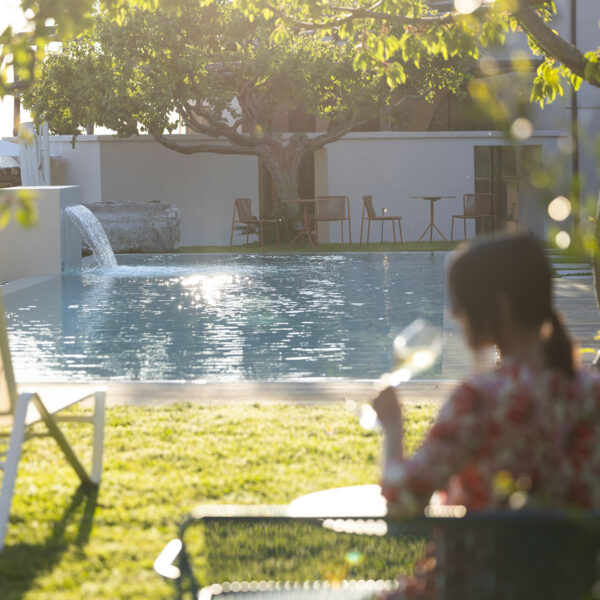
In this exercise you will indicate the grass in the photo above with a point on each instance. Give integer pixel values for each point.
(254, 248)
(159, 463)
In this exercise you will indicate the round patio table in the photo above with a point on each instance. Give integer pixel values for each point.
(432, 225)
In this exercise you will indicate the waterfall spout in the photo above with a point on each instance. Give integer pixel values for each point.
(93, 233)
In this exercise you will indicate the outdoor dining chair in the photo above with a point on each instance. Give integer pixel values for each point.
(258, 552)
(20, 409)
(243, 208)
(369, 214)
(329, 209)
(480, 208)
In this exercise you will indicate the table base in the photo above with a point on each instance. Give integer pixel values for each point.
(430, 228)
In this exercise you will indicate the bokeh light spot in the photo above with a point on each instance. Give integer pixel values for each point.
(562, 240)
(354, 557)
(559, 209)
(517, 500)
(521, 129)
(466, 6)
(566, 144)
(489, 65)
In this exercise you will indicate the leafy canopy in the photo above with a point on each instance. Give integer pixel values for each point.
(213, 67)
(416, 29)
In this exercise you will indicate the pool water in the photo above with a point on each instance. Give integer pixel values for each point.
(224, 317)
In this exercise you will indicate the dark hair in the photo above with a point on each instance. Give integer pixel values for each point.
(515, 267)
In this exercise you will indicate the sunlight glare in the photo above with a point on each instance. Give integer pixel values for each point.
(210, 289)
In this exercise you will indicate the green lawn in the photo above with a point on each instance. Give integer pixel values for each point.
(159, 463)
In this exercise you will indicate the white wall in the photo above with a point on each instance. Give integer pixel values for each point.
(392, 166)
(79, 165)
(49, 247)
(203, 186)
(389, 165)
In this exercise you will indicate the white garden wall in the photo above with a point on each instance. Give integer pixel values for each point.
(202, 186)
(389, 165)
(49, 248)
(392, 166)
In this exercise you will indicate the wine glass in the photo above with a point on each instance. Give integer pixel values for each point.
(416, 348)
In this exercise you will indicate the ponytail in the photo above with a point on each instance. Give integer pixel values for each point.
(558, 348)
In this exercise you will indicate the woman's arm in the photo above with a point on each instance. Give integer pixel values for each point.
(451, 443)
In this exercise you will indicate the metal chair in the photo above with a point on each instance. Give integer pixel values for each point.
(243, 207)
(476, 206)
(369, 215)
(257, 552)
(331, 208)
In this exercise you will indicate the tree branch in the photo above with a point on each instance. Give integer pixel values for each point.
(217, 128)
(351, 14)
(355, 121)
(553, 45)
(213, 147)
(331, 136)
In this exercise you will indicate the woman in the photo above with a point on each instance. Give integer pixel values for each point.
(525, 432)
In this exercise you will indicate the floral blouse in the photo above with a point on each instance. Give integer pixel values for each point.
(512, 436)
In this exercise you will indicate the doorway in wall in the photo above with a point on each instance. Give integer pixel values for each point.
(503, 171)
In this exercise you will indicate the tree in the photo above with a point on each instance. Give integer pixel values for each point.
(224, 77)
(418, 29)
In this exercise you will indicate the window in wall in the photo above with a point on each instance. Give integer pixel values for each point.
(458, 113)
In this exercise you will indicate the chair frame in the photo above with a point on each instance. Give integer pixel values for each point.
(21, 410)
(475, 547)
(249, 219)
(512, 213)
(317, 219)
(369, 210)
(487, 195)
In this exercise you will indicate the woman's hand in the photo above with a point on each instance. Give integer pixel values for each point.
(387, 407)
(389, 413)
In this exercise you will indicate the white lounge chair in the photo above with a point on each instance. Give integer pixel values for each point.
(19, 409)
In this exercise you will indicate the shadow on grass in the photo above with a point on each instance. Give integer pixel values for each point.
(21, 563)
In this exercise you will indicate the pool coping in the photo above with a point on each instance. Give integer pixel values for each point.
(164, 393)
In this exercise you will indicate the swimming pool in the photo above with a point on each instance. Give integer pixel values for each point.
(224, 317)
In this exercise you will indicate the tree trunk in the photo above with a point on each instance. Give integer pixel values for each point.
(285, 181)
(282, 159)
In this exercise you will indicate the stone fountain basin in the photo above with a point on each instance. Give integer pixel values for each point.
(139, 226)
